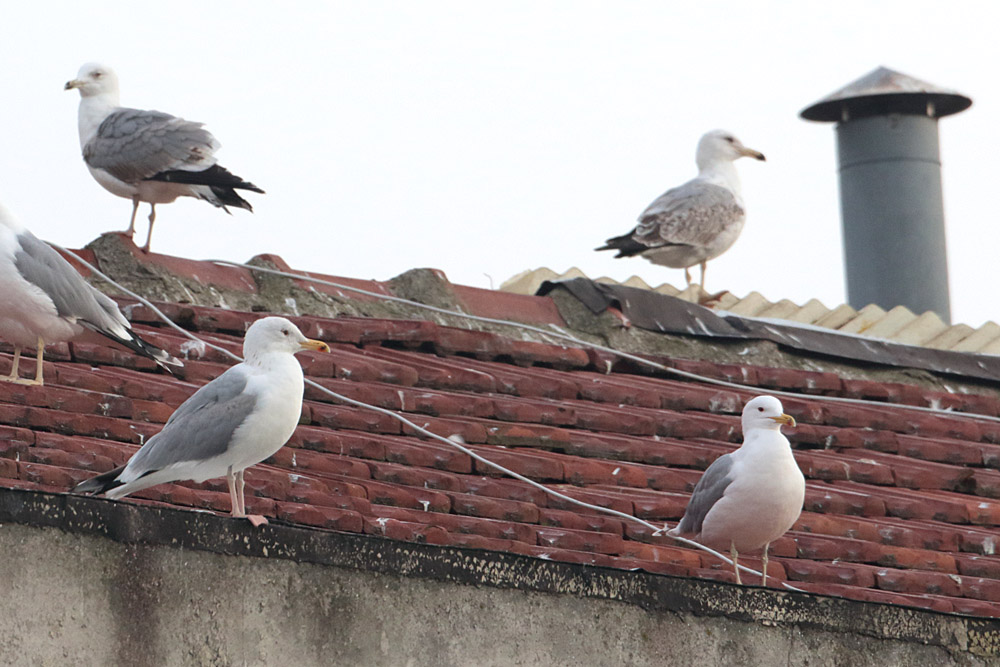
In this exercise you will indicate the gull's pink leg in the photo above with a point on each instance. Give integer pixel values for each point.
(763, 570)
(38, 380)
(234, 500)
(39, 353)
(255, 519)
(131, 225)
(13, 367)
(152, 219)
(239, 493)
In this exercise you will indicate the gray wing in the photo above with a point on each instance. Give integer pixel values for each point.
(707, 492)
(133, 145)
(73, 297)
(201, 427)
(691, 214)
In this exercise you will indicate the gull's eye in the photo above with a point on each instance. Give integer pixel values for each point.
(760, 409)
(284, 332)
(98, 74)
(731, 140)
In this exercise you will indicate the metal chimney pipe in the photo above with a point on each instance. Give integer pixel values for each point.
(892, 210)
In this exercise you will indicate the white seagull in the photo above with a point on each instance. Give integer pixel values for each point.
(697, 221)
(148, 156)
(44, 300)
(235, 421)
(750, 497)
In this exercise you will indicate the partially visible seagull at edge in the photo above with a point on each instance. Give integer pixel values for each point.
(748, 498)
(697, 221)
(235, 421)
(148, 156)
(43, 299)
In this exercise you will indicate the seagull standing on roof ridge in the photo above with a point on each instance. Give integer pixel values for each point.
(697, 221)
(43, 299)
(235, 421)
(148, 156)
(748, 498)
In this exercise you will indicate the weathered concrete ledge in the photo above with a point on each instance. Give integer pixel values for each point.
(156, 555)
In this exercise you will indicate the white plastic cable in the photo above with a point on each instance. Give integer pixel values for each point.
(560, 334)
(423, 431)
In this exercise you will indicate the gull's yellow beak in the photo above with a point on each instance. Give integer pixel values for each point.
(70, 85)
(787, 420)
(314, 345)
(748, 152)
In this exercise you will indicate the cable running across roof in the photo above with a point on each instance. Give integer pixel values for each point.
(423, 431)
(562, 335)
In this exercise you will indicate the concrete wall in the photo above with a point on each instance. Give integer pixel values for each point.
(88, 600)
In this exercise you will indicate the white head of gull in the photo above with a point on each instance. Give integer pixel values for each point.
(696, 221)
(235, 421)
(748, 498)
(148, 156)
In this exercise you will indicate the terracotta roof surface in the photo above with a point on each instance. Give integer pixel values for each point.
(901, 506)
(898, 324)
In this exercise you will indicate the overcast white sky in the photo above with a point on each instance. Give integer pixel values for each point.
(488, 138)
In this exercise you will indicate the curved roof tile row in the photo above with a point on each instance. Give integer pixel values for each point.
(901, 506)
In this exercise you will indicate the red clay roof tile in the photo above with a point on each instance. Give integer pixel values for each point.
(899, 505)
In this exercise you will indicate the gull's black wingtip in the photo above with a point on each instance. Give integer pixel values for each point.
(101, 483)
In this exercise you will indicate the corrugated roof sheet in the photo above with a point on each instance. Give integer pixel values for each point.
(899, 324)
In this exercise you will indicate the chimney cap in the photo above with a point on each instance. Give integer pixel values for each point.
(884, 91)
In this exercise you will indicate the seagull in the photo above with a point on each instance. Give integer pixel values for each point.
(148, 156)
(43, 299)
(697, 221)
(235, 421)
(751, 497)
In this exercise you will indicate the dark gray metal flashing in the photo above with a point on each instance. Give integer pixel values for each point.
(659, 312)
(128, 523)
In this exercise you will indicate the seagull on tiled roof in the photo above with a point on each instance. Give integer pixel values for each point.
(148, 156)
(697, 221)
(235, 421)
(748, 498)
(43, 299)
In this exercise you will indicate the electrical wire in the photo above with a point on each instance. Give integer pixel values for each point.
(559, 334)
